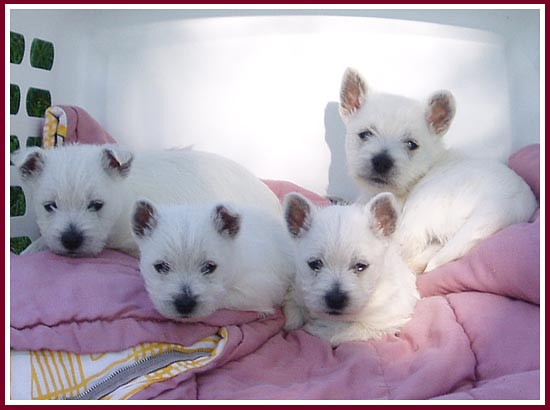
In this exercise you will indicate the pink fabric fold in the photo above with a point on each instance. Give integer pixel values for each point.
(82, 128)
(281, 188)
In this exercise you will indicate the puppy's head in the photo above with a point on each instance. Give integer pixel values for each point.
(391, 141)
(187, 255)
(75, 192)
(340, 252)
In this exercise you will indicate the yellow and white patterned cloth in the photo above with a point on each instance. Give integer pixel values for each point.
(44, 374)
(54, 130)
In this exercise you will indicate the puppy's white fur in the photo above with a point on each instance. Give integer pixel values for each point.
(395, 144)
(75, 177)
(250, 249)
(347, 250)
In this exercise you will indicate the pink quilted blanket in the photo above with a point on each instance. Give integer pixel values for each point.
(474, 335)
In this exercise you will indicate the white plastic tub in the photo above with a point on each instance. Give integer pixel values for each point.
(261, 86)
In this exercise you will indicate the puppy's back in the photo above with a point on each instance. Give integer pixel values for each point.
(190, 176)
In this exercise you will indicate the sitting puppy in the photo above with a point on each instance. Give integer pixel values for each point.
(83, 195)
(450, 203)
(350, 283)
(198, 259)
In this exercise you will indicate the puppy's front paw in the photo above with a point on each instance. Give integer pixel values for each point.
(339, 332)
(294, 317)
(321, 328)
(416, 267)
(433, 264)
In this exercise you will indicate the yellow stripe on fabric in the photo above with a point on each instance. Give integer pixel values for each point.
(81, 370)
(42, 374)
(61, 130)
(96, 356)
(34, 379)
(224, 336)
(142, 350)
(135, 353)
(57, 371)
(62, 361)
(212, 339)
(73, 371)
(49, 369)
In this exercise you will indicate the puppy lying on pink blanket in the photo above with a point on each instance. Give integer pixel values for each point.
(351, 282)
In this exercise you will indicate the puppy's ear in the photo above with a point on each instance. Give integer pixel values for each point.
(298, 211)
(116, 162)
(227, 222)
(144, 219)
(440, 112)
(353, 93)
(384, 212)
(29, 162)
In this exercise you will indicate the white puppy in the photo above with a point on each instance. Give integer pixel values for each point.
(198, 259)
(351, 282)
(83, 194)
(450, 203)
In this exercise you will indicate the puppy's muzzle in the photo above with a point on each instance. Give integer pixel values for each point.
(336, 301)
(72, 238)
(382, 163)
(186, 302)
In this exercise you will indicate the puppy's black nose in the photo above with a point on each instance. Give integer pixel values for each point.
(72, 238)
(382, 163)
(185, 303)
(335, 299)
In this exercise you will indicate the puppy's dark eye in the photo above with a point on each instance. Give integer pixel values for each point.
(364, 135)
(208, 267)
(315, 264)
(360, 267)
(95, 206)
(161, 267)
(411, 145)
(50, 206)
